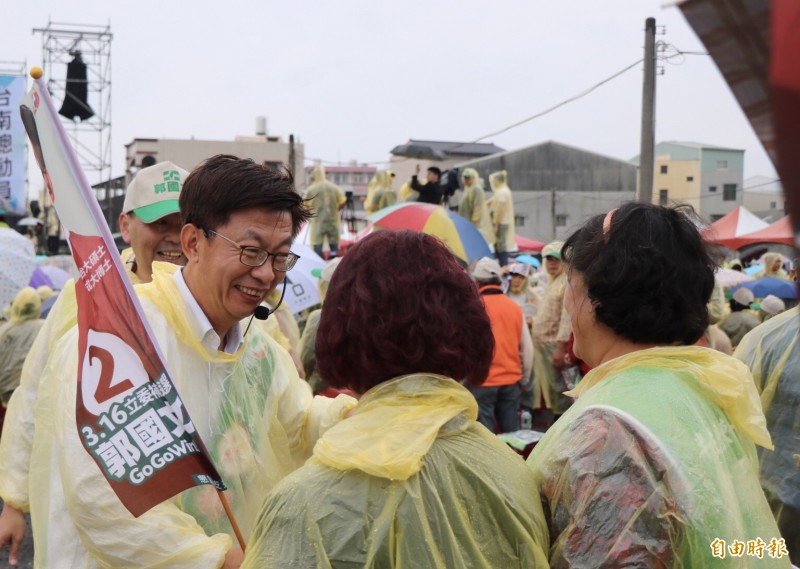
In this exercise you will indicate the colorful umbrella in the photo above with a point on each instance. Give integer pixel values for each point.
(301, 288)
(729, 277)
(771, 285)
(17, 262)
(456, 232)
(529, 260)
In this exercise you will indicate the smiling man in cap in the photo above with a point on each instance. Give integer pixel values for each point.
(151, 221)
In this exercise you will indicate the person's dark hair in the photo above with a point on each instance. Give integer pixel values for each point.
(399, 303)
(436, 170)
(649, 276)
(490, 281)
(224, 184)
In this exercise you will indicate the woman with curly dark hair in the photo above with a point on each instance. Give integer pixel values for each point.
(655, 463)
(410, 479)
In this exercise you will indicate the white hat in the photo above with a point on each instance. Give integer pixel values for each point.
(743, 296)
(153, 192)
(519, 269)
(772, 305)
(553, 249)
(486, 268)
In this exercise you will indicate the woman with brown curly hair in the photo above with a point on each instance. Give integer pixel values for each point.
(410, 479)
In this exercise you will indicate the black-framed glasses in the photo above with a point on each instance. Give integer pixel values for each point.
(256, 256)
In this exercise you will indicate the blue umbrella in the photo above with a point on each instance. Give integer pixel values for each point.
(771, 285)
(528, 260)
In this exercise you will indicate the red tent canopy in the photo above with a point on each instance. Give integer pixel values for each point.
(727, 230)
(528, 245)
(778, 232)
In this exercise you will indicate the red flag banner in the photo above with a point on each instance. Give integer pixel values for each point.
(129, 414)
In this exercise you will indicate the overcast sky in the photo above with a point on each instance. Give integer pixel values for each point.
(354, 79)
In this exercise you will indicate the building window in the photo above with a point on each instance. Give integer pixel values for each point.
(729, 192)
(664, 168)
(690, 178)
(716, 217)
(773, 205)
(561, 220)
(663, 197)
(712, 189)
(519, 220)
(722, 164)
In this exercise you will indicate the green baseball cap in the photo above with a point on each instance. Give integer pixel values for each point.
(153, 192)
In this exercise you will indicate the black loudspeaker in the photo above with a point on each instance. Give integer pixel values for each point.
(76, 103)
(148, 161)
(35, 208)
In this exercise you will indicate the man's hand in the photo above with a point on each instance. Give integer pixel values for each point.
(12, 532)
(560, 356)
(233, 559)
(416, 170)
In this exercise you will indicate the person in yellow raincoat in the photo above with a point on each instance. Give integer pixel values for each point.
(772, 352)
(550, 332)
(410, 479)
(502, 203)
(150, 222)
(308, 341)
(380, 193)
(773, 267)
(473, 205)
(255, 415)
(324, 199)
(655, 464)
(16, 338)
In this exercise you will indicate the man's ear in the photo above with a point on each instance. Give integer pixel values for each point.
(190, 241)
(124, 228)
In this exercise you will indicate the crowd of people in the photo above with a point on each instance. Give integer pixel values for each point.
(368, 437)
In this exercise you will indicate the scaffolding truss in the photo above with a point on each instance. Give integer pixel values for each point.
(92, 137)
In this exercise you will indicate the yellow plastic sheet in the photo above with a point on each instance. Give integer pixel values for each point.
(410, 480)
(772, 352)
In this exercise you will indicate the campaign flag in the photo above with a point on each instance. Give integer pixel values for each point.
(12, 146)
(130, 416)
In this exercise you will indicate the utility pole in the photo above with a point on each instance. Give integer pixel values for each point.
(291, 155)
(647, 151)
(553, 210)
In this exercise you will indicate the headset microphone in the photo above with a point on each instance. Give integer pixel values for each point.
(262, 312)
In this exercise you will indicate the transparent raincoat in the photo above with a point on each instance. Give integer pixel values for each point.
(654, 462)
(473, 206)
(17, 440)
(502, 204)
(324, 199)
(380, 193)
(16, 338)
(772, 352)
(257, 418)
(409, 480)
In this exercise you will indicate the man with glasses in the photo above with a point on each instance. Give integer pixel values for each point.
(257, 418)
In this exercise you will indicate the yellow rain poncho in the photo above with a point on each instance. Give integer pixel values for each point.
(407, 193)
(257, 418)
(772, 352)
(18, 430)
(654, 462)
(325, 200)
(16, 338)
(502, 204)
(551, 325)
(768, 271)
(410, 481)
(380, 193)
(473, 205)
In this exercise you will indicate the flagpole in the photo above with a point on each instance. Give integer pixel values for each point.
(231, 518)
